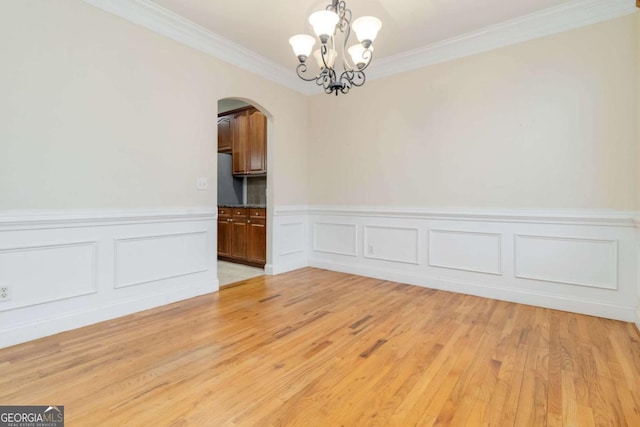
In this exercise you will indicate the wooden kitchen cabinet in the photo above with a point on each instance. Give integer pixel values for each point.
(225, 134)
(239, 233)
(243, 132)
(224, 232)
(257, 143)
(240, 143)
(257, 236)
(242, 235)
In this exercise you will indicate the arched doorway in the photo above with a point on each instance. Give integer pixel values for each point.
(243, 183)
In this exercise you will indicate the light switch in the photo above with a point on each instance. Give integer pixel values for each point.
(202, 183)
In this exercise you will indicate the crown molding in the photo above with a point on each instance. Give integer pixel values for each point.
(567, 16)
(162, 21)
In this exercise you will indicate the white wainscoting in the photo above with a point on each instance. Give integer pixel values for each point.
(335, 238)
(70, 269)
(578, 261)
(465, 250)
(147, 259)
(637, 223)
(573, 261)
(288, 249)
(386, 243)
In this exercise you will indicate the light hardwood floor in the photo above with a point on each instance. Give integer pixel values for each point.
(320, 348)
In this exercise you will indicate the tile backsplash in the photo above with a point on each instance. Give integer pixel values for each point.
(257, 190)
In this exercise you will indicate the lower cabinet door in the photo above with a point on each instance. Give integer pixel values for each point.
(239, 239)
(257, 241)
(224, 237)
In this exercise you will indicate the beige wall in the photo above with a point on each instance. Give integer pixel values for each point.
(549, 123)
(638, 129)
(96, 112)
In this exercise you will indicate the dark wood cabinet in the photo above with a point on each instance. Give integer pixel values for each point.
(257, 152)
(242, 235)
(225, 134)
(244, 133)
(239, 232)
(257, 236)
(240, 143)
(224, 232)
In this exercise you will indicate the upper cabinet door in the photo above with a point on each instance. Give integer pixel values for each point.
(240, 143)
(257, 142)
(225, 134)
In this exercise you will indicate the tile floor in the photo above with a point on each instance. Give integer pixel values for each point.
(229, 272)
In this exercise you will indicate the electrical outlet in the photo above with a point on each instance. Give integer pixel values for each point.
(5, 294)
(370, 250)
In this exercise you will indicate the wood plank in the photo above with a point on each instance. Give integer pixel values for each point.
(315, 347)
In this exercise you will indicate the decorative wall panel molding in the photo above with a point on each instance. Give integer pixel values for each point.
(574, 261)
(391, 243)
(292, 238)
(47, 273)
(466, 250)
(335, 238)
(147, 259)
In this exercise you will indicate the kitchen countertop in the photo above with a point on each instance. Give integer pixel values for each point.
(248, 205)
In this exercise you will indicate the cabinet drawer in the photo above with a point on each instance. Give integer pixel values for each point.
(258, 213)
(224, 212)
(239, 212)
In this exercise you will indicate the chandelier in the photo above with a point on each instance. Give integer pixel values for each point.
(328, 24)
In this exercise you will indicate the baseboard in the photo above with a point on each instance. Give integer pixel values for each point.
(78, 319)
(272, 270)
(637, 320)
(581, 306)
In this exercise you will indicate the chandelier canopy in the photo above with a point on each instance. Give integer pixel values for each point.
(328, 24)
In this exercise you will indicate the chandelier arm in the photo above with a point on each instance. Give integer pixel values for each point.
(324, 80)
(368, 56)
(323, 54)
(347, 34)
(301, 69)
(359, 78)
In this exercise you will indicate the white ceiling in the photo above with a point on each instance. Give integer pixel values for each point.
(264, 27)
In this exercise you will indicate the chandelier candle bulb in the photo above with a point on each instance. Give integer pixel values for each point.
(329, 58)
(302, 45)
(359, 55)
(324, 24)
(366, 29)
(333, 27)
